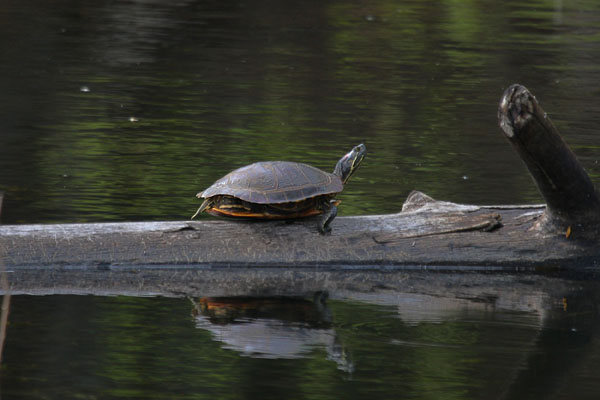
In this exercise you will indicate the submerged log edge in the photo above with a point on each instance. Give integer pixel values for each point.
(573, 205)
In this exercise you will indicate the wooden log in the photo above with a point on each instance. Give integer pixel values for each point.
(572, 201)
(427, 234)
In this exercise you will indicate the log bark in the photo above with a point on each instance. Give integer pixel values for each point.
(572, 201)
(427, 234)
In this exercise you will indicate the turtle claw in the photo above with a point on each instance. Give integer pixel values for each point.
(324, 230)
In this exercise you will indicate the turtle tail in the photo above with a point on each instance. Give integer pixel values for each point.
(205, 204)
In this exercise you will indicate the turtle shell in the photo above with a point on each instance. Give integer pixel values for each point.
(273, 182)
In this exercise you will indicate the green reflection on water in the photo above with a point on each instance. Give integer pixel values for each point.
(122, 347)
(184, 95)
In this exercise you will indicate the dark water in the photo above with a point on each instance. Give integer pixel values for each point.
(406, 347)
(123, 110)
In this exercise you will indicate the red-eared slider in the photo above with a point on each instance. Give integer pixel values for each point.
(281, 190)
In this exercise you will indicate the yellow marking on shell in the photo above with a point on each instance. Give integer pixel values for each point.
(238, 206)
(219, 211)
(568, 233)
(236, 213)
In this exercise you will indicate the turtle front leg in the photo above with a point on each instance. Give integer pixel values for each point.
(329, 213)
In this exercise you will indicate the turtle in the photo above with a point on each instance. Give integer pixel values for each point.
(281, 190)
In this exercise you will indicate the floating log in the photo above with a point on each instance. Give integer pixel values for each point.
(426, 234)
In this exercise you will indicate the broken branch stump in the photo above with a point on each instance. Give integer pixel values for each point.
(572, 201)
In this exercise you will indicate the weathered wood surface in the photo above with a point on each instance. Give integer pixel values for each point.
(426, 233)
(570, 195)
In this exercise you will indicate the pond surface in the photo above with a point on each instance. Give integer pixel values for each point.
(397, 346)
(123, 110)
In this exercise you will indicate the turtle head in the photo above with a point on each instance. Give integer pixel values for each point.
(350, 162)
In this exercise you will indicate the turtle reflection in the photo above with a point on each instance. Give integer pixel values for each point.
(271, 327)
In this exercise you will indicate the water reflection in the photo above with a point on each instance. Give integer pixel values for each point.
(507, 346)
(272, 327)
(566, 355)
(521, 343)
